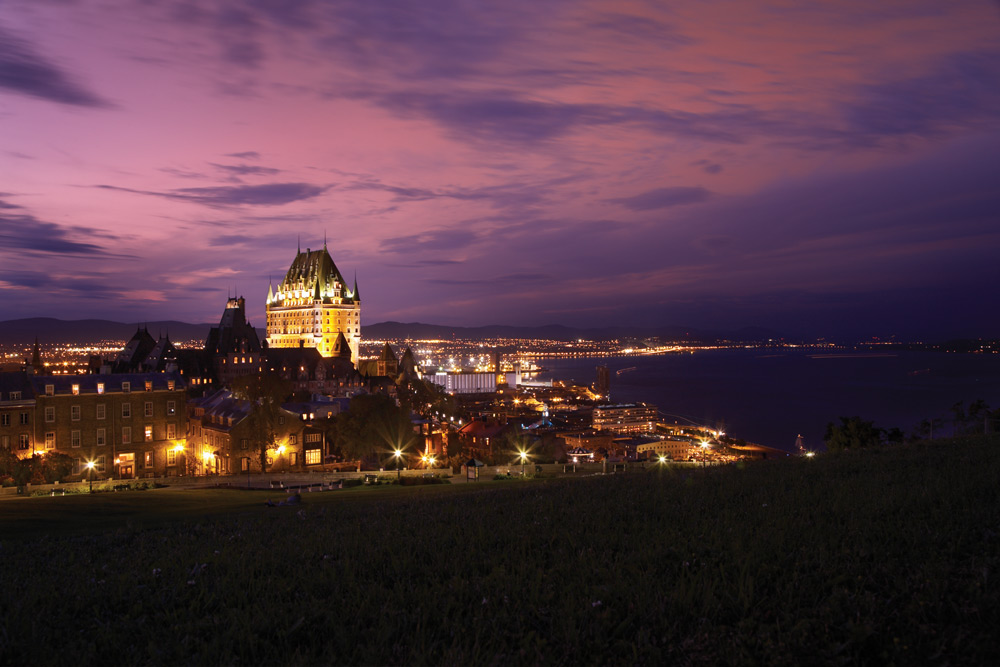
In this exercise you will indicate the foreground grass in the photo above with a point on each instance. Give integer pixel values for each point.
(887, 556)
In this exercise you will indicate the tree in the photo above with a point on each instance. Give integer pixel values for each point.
(265, 392)
(373, 424)
(852, 433)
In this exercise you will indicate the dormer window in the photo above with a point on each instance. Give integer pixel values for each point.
(50, 390)
(100, 387)
(170, 385)
(126, 387)
(149, 385)
(76, 390)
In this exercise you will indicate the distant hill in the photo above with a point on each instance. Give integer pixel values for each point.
(50, 330)
(417, 330)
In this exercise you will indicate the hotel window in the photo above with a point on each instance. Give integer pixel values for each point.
(100, 410)
(126, 410)
(50, 440)
(171, 431)
(171, 457)
(99, 464)
(74, 438)
(50, 389)
(50, 414)
(76, 390)
(149, 385)
(149, 432)
(100, 387)
(5, 419)
(15, 396)
(148, 463)
(102, 439)
(126, 387)
(171, 408)
(147, 409)
(312, 457)
(74, 412)
(23, 441)
(126, 435)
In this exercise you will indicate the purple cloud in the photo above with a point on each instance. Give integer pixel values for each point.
(664, 198)
(24, 71)
(272, 194)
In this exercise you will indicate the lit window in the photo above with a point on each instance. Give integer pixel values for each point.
(312, 457)
(171, 457)
(50, 440)
(149, 433)
(76, 390)
(149, 385)
(100, 387)
(23, 441)
(149, 460)
(171, 408)
(170, 385)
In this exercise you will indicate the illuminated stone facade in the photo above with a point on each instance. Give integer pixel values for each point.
(312, 306)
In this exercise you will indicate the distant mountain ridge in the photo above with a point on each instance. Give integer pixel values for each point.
(50, 330)
(417, 330)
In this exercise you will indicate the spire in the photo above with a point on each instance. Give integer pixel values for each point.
(324, 239)
(354, 293)
(318, 296)
(36, 354)
(298, 244)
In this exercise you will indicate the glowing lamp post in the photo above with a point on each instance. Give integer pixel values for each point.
(523, 455)
(398, 454)
(90, 471)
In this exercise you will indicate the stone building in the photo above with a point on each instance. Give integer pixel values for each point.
(130, 425)
(233, 348)
(220, 438)
(313, 306)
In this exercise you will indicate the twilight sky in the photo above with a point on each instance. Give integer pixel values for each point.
(827, 168)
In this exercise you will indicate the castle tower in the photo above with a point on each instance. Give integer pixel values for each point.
(313, 306)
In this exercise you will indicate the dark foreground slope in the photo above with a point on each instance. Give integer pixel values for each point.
(876, 557)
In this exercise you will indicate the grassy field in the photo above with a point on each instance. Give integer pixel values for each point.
(886, 556)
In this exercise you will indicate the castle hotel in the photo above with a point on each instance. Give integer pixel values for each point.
(313, 306)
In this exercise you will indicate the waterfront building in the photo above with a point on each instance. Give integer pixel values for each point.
(674, 448)
(626, 418)
(313, 306)
(465, 383)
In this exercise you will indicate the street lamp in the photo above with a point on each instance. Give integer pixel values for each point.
(523, 456)
(90, 470)
(398, 454)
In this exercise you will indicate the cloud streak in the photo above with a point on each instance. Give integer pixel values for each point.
(25, 71)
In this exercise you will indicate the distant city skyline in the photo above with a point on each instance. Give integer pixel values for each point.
(811, 168)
